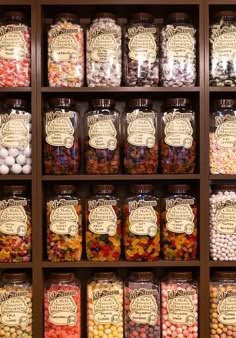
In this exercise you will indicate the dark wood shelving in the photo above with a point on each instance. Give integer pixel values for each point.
(15, 177)
(222, 89)
(16, 265)
(222, 177)
(15, 90)
(121, 2)
(222, 264)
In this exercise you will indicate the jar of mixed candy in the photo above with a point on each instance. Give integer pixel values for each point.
(61, 137)
(64, 224)
(222, 304)
(141, 54)
(15, 224)
(141, 137)
(179, 298)
(141, 232)
(15, 137)
(222, 137)
(104, 51)
(15, 63)
(178, 142)
(102, 145)
(178, 51)
(103, 224)
(222, 49)
(105, 306)
(62, 306)
(66, 52)
(142, 305)
(179, 224)
(16, 305)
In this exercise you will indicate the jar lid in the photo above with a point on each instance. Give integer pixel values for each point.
(181, 275)
(178, 102)
(139, 102)
(15, 276)
(179, 187)
(14, 15)
(141, 16)
(64, 188)
(225, 187)
(66, 15)
(141, 188)
(103, 103)
(16, 103)
(104, 188)
(62, 276)
(17, 189)
(62, 102)
(178, 17)
(141, 275)
(104, 275)
(225, 14)
(225, 275)
(224, 103)
(104, 15)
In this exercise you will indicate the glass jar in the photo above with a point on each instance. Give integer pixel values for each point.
(178, 51)
(141, 232)
(179, 224)
(222, 137)
(178, 142)
(62, 305)
(66, 52)
(15, 137)
(222, 304)
(141, 137)
(102, 145)
(103, 225)
(222, 223)
(61, 137)
(15, 58)
(179, 298)
(222, 49)
(142, 305)
(15, 225)
(105, 305)
(104, 51)
(64, 224)
(16, 305)
(141, 53)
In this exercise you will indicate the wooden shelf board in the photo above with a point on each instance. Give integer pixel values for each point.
(222, 89)
(15, 177)
(16, 265)
(120, 2)
(221, 2)
(15, 89)
(222, 177)
(221, 264)
(120, 90)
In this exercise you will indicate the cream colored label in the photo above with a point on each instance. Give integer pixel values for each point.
(224, 42)
(104, 48)
(13, 221)
(59, 129)
(142, 45)
(227, 307)
(14, 131)
(178, 130)
(102, 134)
(12, 42)
(143, 221)
(226, 220)
(180, 308)
(14, 309)
(141, 130)
(62, 308)
(64, 220)
(180, 219)
(106, 308)
(226, 134)
(143, 306)
(103, 220)
(180, 44)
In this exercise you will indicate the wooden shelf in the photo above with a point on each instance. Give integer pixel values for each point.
(16, 265)
(220, 264)
(15, 177)
(15, 89)
(222, 89)
(121, 2)
(222, 177)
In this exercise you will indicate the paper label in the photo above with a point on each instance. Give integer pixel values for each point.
(226, 307)
(224, 42)
(180, 218)
(181, 42)
(106, 309)
(178, 129)
(62, 307)
(143, 221)
(180, 307)
(59, 129)
(103, 220)
(226, 219)
(103, 45)
(64, 220)
(143, 306)
(14, 131)
(12, 42)
(102, 133)
(14, 308)
(226, 133)
(13, 220)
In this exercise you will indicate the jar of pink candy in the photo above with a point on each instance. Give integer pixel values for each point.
(66, 52)
(179, 294)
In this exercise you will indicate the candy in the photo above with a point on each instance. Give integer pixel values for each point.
(4, 170)
(16, 168)
(27, 169)
(3, 153)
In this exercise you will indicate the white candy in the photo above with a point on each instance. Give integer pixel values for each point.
(3, 153)
(27, 152)
(13, 152)
(21, 159)
(4, 170)
(9, 160)
(16, 168)
(27, 169)
(29, 161)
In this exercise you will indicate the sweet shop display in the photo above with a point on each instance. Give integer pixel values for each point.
(179, 224)
(66, 52)
(178, 141)
(62, 306)
(103, 51)
(102, 144)
(15, 224)
(64, 224)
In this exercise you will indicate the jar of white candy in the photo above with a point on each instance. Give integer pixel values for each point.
(223, 223)
(15, 137)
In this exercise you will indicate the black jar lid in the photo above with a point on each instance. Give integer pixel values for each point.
(180, 275)
(66, 15)
(178, 17)
(139, 103)
(15, 277)
(16, 103)
(224, 103)
(178, 102)
(103, 103)
(225, 15)
(228, 275)
(104, 188)
(64, 188)
(14, 189)
(141, 188)
(14, 16)
(104, 15)
(141, 276)
(179, 188)
(224, 187)
(104, 275)
(142, 16)
(62, 276)
(62, 102)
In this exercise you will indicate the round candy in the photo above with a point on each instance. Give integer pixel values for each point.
(26, 169)
(4, 170)
(13, 152)
(27, 152)
(3, 153)
(21, 159)
(16, 168)
(9, 160)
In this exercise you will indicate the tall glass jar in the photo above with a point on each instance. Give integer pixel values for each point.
(61, 144)
(15, 45)
(103, 224)
(178, 51)
(179, 297)
(222, 304)
(102, 145)
(15, 224)
(222, 49)
(16, 305)
(141, 232)
(62, 305)
(222, 223)
(179, 223)
(141, 51)
(15, 137)
(222, 137)
(64, 224)
(105, 305)
(178, 141)
(104, 51)
(142, 305)
(66, 52)
(141, 137)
